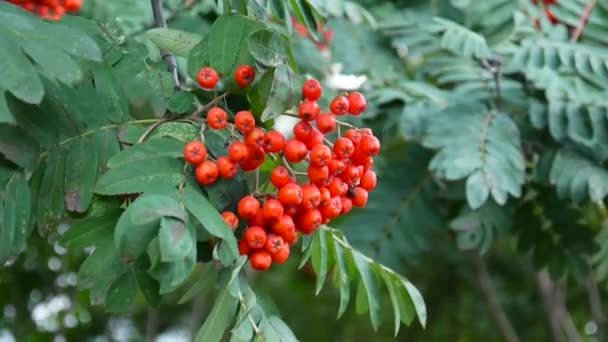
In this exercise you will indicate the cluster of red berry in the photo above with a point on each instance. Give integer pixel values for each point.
(338, 176)
(548, 13)
(49, 9)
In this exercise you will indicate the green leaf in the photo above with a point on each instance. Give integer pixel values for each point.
(50, 203)
(15, 227)
(100, 269)
(5, 114)
(210, 218)
(205, 281)
(140, 176)
(227, 42)
(462, 41)
(268, 48)
(111, 92)
(55, 63)
(17, 74)
(577, 177)
(178, 42)
(342, 278)
(89, 230)
(220, 318)
(274, 329)
(181, 131)
(417, 301)
(372, 288)
(147, 284)
(121, 294)
(176, 240)
(181, 102)
(284, 94)
(17, 146)
(319, 258)
(80, 175)
(139, 224)
(154, 147)
(477, 228)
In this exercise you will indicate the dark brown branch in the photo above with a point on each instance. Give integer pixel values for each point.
(168, 57)
(489, 292)
(578, 30)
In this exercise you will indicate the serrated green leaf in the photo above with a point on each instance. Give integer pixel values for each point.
(100, 269)
(56, 64)
(139, 224)
(220, 318)
(361, 301)
(372, 288)
(182, 131)
(268, 48)
(141, 176)
(417, 301)
(154, 147)
(121, 294)
(181, 102)
(50, 203)
(342, 278)
(15, 227)
(319, 258)
(80, 175)
(176, 239)
(90, 230)
(110, 92)
(178, 42)
(17, 74)
(396, 301)
(210, 218)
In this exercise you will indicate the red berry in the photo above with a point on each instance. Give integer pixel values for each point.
(282, 255)
(326, 123)
(244, 75)
(337, 166)
(283, 225)
(339, 105)
(260, 260)
(316, 139)
(351, 175)
(274, 244)
(320, 155)
(359, 197)
(344, 148)
(243, 247)
(244, 121)
(354, 136)
(309, 110)
(231, 220)
(311, 90)
(337, 187)
(72, 5)
(195, 152)
(217, 118)
(206, 173)
(227, 167)
(311, 196)
(303, 131)
(325, 196)
(318, 175)
(258, 219)
(255, 138)
(207, 78)
(291, 236)
(273, 209)
(347, 205)
(274, 142)
(295, 151)
(331, 210)
(248, 207)
(368, 180)
(256, 237)
(256, 159)
(309, 221)
(356, 103)
(238, 151)
(279, 177)
(290, 194)
(369, 145)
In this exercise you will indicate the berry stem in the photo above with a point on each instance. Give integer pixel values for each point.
(578, 31)
(286, 164)
(345, 124)
(168, 57)
(208, 105)
(257, 179)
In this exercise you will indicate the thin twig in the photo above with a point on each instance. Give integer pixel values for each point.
(286, 164)
(208, 105)
(489, 292)
(168, 57)
(578, 31)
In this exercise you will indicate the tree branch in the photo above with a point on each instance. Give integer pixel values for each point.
(595, 302)
(168, 57)
(578, 31)
(152, 324)
(489, 292)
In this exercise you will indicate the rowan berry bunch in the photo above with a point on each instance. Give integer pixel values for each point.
(338, 175)
(49, 9)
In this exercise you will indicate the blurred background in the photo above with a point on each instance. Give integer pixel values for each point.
(372, 46)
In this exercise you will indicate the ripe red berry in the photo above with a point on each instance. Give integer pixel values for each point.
(279, 177)
(256, 237)
(309, 221)
(303, 131)
(255, 138)
(356, 103)
(243, 247)
(320, 155)
(351, 175)
(282, 255)
(217, 118)
(244, 75)
(344, 148)
(244, 121)
(316, 139)
(295, 151)
(311, 90)
(206, 173)
(238, 151)
(354, 136)
(337, 187)
(359, 197)
(359, 158)
(273, 209)
(72, 5)
(325, 196)
(248, 207)
(326, 123)
(231, 220)
(332, 209)
(256, 159)
(274, 243)
(311, 196)
(337, 166)
(339, 105)
(258, 219)
(368, 180)
(274, 142)
(195, 152)
(347, 205)
(207, 78)
(369, 145)
(318, 175)
(260, 260)
(309, 110)
(290, 194)
(227, 167)
(283, 225)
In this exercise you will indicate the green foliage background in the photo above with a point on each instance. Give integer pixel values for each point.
(495, 138)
